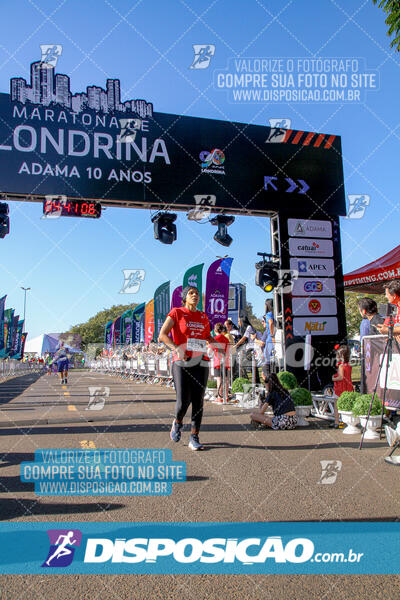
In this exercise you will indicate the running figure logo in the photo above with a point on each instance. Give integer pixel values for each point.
(132, 280)
(62, 547)
(50, 54)
(278, 130)
(357, 205)
(129, 129)
(330, 470)
(203, 54)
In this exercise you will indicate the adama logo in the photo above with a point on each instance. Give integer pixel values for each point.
(62, 547)
(314, 306)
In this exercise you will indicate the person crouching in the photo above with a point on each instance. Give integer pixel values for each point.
(281, 403)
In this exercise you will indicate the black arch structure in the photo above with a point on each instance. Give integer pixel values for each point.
(169, 163)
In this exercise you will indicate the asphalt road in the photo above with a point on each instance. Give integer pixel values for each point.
(242, 475)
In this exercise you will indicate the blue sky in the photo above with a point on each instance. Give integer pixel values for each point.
(74, 266)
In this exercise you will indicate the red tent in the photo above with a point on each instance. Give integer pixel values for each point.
(371, 278)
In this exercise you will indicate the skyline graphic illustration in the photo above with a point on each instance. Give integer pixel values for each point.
(47, 88)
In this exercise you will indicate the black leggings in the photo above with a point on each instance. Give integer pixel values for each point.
(190, 386)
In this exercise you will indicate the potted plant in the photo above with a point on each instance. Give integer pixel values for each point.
(287, 380)
(361, 408)
(345, 405)
(211, 390)
(238, 388)
(303, 401)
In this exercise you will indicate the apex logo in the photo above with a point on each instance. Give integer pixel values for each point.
(62, 547)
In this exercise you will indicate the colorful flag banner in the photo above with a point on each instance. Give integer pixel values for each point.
(13, 349)
(108, 334)
(16, 350)
(194, 277)
(2, 344)
(176, 300)
(24, 336)
(161, 306)
(8, 327)
(126, 327)
(149, 322)
(217, 290)
(137, 326)
(117, 332)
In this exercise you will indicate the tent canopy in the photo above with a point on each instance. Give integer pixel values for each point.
(47, 342)
(371, 278)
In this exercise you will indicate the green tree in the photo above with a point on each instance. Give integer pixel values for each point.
(353, 317)
(92, 332)
(392, 9)
(258, 325)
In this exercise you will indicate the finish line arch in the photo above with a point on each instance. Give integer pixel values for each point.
(91, 146)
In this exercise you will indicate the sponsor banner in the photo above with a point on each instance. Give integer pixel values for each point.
(114, 150)
(2, 344)
(314, 306)
(8, 329)
(149, 322)
(194, 277)
(16, 350)
(217, 290)
(161, 307)
(307, 267)
(108, 334)
(13, 348)
(372, 349)
(176, 299)
(199, 548)
(126, 327)
(310, 247)
(309, 228)
(319, 286)
(374, 276)
(137, 324)
(315, 326)
(24, 336)
(116, 331)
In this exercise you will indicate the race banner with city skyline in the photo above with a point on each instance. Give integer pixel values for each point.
(91, 145)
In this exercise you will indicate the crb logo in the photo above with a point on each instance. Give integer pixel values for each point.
(191, 550)
(313, 286)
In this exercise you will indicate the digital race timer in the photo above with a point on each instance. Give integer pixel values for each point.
(71, 208)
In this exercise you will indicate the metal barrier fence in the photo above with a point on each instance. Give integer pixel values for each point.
(157, 368)
(15, 368)
(144, 368)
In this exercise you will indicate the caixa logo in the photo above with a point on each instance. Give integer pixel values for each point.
(191, 550)
(313, 286)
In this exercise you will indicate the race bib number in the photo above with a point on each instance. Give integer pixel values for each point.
(195, 345)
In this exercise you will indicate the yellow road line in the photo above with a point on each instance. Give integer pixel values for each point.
(67, 394)
(72, 407)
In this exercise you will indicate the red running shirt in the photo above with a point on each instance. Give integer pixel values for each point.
(223, 344)
(189, 324)
(345, 385)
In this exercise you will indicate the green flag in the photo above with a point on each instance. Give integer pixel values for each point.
(161, 307)
(193, 277)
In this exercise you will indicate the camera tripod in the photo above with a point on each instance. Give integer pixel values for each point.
(388, 353)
